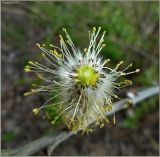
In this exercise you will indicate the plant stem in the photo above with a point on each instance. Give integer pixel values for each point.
(55, 139)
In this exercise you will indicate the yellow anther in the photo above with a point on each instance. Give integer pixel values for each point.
(109, 107)
(97, 121)
(55, 53)
(104, 108)
(61, 38)
(128, 82)
(130, 65)
(101, 108)
(67, 41)
(26, 94)
(104, 32)
(44, 45)
(102, 125)
(106, 119)
(94, 29)
(85, 49)
(55, 119)
(43, 55)
(35, 111)
(53, 122)
(60, 56)
(39, 76)
(103, 45)
(137, 70)
(122, 73)
(30, 62)
(116, 96)
(87, 131)
(128, 102)
(27, 70)
(121, 62)
(51, 51)
(64, 29)
(114, 120)
(51, 45)
(33, 90)
(106, 61)
(38, 45)
(34, 85)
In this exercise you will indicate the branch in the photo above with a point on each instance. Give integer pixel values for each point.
(55, 140)
(135, 49)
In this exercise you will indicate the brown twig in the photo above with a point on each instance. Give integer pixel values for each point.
(55, 139)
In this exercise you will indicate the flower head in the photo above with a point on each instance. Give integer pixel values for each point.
(80, 83)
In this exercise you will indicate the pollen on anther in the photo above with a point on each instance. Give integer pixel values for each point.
(137, 70)
(51, 45)
(43, 54)
(36, 111)
(27, 69)
(30, 62)
(103, 45)
(85, 49)
(94, 29)
(64, 29)
(38, 45)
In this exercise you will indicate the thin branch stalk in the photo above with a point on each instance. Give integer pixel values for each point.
(53, 140)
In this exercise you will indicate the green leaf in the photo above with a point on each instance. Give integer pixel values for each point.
(51, 113)
(7, 136)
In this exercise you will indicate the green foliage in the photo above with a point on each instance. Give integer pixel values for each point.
(148, 76)
(7, 136)
(46, 19)
(112, 51)
(43, 21)
(133, 119)
(52, 115)
(117, 21)
(117, 18)
(14, 34)
(51, 110)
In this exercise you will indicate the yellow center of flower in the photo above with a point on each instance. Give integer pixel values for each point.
(86, 75)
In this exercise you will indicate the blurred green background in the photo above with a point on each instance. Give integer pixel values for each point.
(132, 35)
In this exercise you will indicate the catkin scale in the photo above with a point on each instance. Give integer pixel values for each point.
(82, 81)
